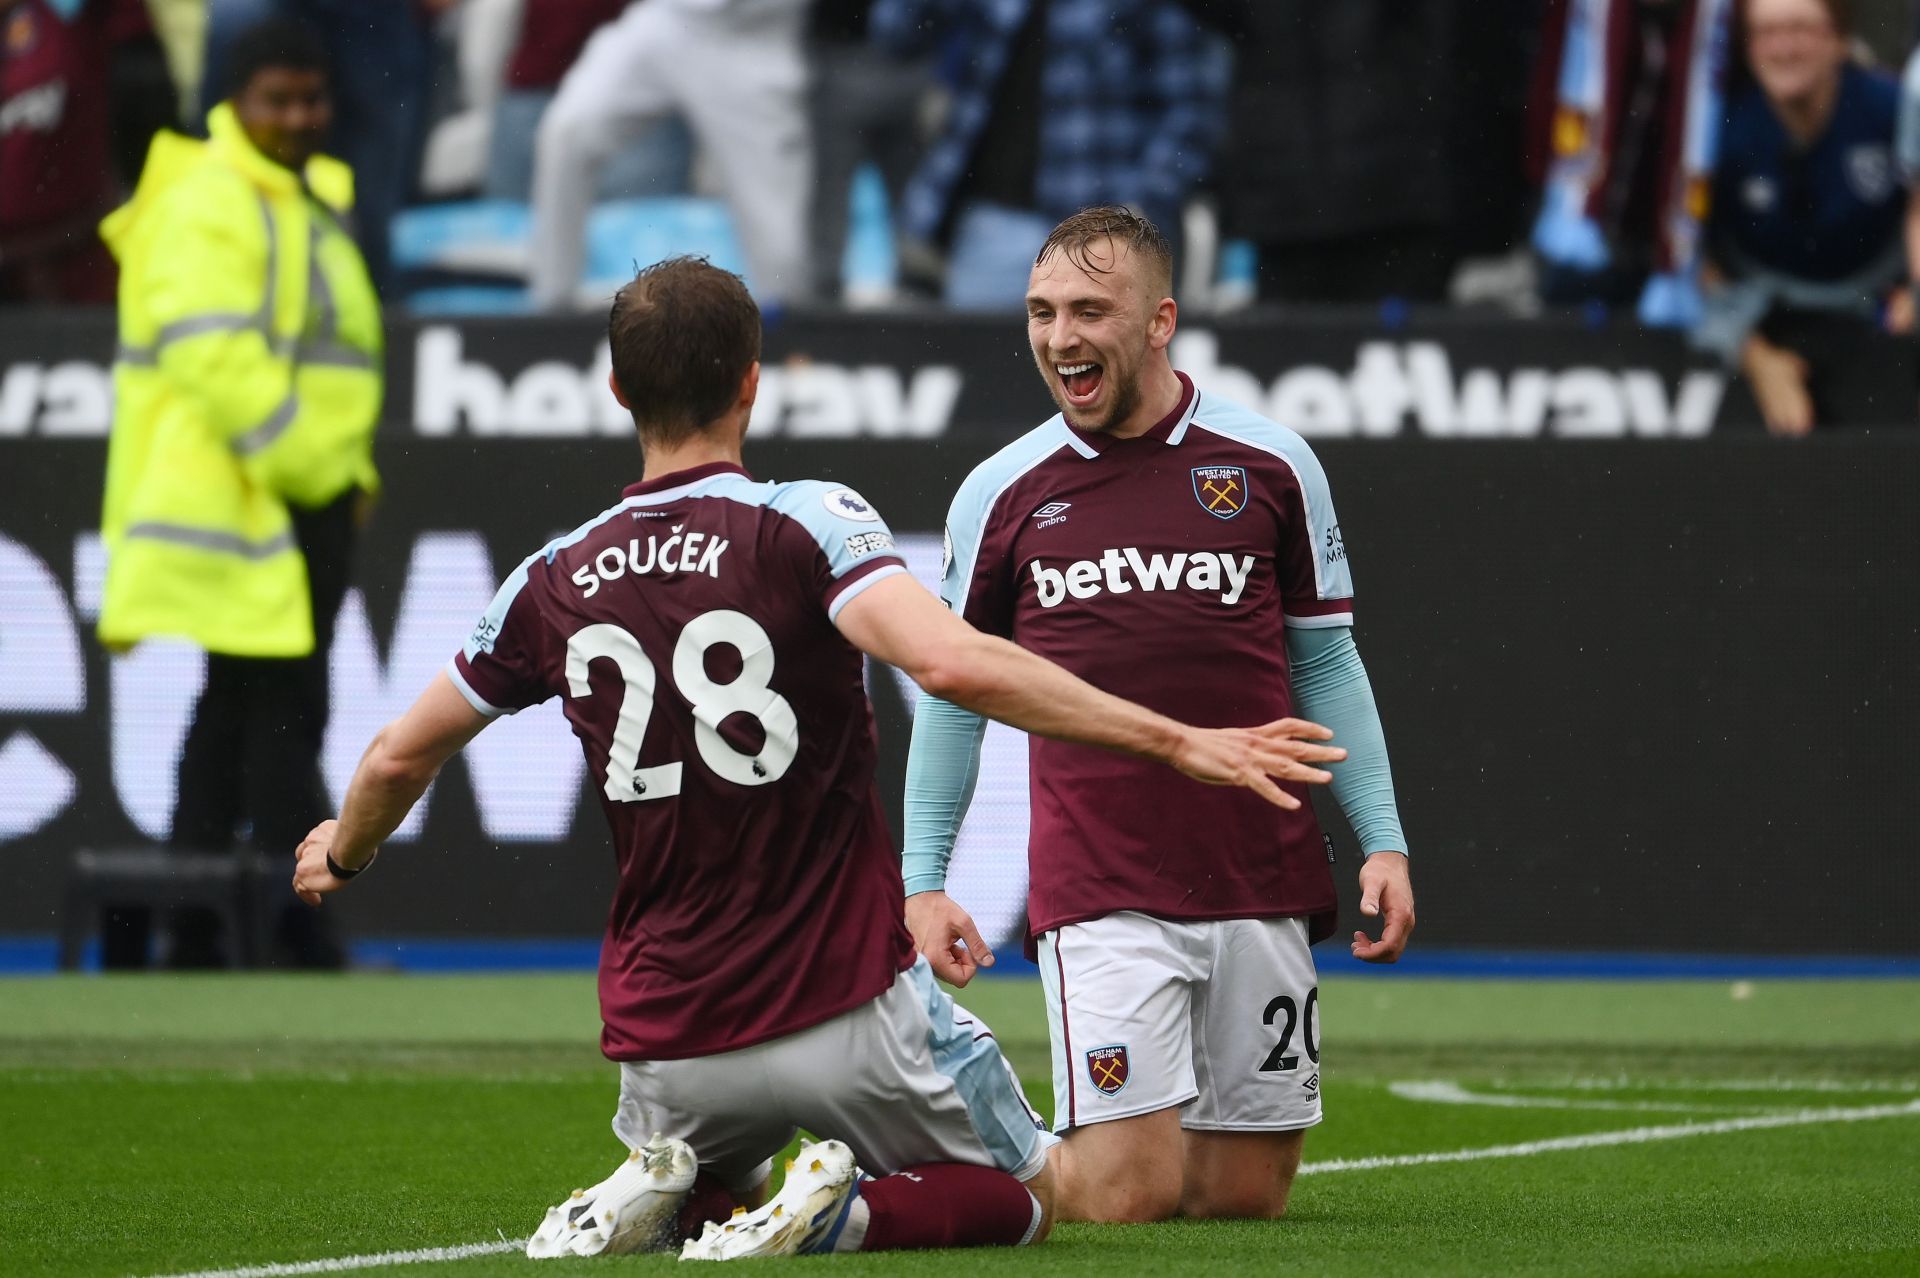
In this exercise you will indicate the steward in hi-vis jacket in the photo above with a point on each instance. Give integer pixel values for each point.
(247, 385)
(247, 380)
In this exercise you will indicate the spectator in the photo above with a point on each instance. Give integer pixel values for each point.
(1907, 146)
(1805, 236)
(246, 389)
(1058, 104)
(864, 103)
(1626, 150)
(55, 176)
(381, 53)
(735, 70)
(144, 98)
(1342, 124)
(550, 35)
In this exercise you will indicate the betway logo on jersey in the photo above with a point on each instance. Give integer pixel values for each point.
(1123, 570)
(1394, 385)
(808, 399)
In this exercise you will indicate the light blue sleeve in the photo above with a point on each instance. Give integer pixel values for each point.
(856, 541)
(943, 755)
(1330, 687)
(943, 765)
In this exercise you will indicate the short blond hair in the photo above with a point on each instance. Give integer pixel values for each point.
(1076, 236)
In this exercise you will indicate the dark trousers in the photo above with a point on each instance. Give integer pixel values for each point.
(863, 105)
(252, 755)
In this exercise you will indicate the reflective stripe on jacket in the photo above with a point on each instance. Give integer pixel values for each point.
(248, 377)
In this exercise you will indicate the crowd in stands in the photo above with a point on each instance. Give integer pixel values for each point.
(1741, 169)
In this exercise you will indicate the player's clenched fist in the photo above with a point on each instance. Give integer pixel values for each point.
(312, 873)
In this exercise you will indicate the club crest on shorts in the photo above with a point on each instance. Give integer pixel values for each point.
(1107, 1067)
(1220, 490)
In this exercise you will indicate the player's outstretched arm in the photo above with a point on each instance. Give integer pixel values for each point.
(897, 621)
(399, 764)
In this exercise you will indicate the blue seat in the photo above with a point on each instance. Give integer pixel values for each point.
(475, 238)
(624, 235)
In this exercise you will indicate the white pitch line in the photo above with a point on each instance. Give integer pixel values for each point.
(345, 1264)
(1860, 1086)
(1591, 1140)
(1443, 1092)
(1629, 1136)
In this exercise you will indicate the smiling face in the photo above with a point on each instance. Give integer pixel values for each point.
(286, 112)
(1795, 49)
(1097, 316)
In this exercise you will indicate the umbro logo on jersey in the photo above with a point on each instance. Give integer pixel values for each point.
(1126, 569)
(1054, 512)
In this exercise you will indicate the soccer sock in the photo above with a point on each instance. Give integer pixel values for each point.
(707, 1200)
(946, 1205)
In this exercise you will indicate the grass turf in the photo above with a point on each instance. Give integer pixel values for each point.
(156, 1125)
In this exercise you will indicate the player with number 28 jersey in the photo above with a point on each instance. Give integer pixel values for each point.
(689, 632)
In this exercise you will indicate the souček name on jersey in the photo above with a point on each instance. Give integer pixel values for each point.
(691, 552)
(1125, 569)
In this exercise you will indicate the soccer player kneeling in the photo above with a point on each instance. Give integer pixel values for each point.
(706, 636)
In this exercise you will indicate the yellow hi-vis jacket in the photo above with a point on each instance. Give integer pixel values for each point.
(248, 377)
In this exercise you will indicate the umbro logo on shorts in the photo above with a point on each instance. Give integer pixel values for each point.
(1312, 1085)
(1107, 1067)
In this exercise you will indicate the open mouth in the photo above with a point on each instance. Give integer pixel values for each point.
(1080, 381)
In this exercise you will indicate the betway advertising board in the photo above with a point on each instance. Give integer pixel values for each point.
(1597, 606)
(925, 377)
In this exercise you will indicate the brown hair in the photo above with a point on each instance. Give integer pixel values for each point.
(1076, 236)
(683, 334)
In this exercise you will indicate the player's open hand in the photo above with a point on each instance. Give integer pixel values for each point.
(1386, 893)
(1285, 749)
(946, 935)
(311, 877)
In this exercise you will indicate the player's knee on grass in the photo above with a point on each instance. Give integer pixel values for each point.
(1239, 1201)
(1240, 1175)
(1121, 1194)
(1127, 1171)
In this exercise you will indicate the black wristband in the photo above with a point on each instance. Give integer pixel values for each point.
(340, 871)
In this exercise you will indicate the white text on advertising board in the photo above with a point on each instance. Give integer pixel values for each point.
(800, 400)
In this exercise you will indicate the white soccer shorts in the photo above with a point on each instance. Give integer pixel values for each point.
(1220, 1017)
(910, 1078)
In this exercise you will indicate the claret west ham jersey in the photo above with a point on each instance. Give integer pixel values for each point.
(689, 633)
(1162, 569)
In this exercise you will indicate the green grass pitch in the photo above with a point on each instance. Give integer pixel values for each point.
(162, 1126)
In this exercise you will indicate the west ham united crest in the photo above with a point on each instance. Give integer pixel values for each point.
(1220, 490)
(1107, 1066)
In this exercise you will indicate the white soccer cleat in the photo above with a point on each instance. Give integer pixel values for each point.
(806, 1215)
(632, 1210)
